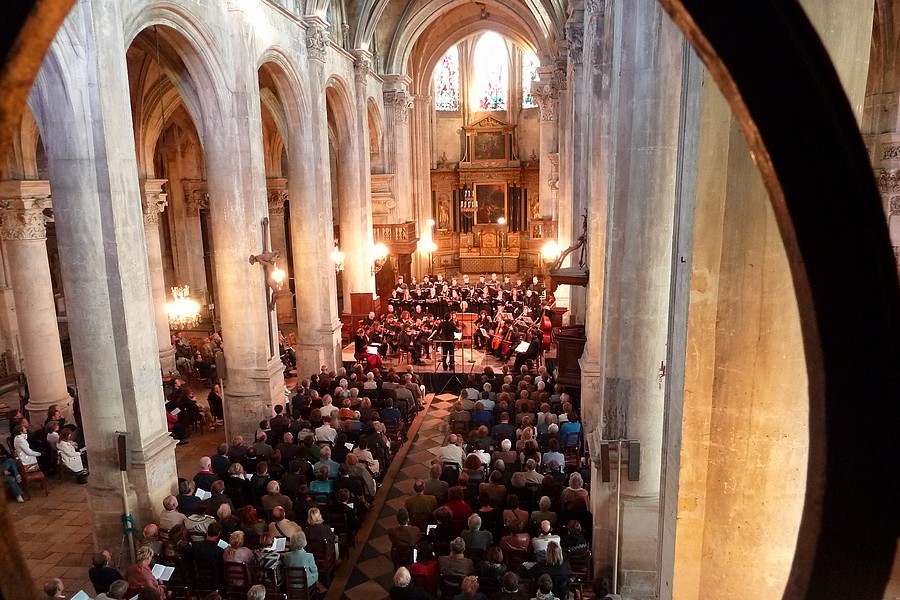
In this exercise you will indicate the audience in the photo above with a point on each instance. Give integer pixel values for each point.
(403, 588)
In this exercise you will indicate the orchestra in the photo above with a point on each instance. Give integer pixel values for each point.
(420, 316)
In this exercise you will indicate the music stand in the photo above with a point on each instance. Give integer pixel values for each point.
(454, 376)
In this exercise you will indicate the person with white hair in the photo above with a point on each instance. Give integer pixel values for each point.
(452, 452)
(505, 453)
(299, 557)
(572, 497)
(403, 588)
(370, 383)
(474, 537)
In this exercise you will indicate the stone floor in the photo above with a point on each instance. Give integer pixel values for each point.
(369, 574)
(54, 531)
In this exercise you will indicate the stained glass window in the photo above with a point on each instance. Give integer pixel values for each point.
(529, 73)
(446, 81)
(491, 79)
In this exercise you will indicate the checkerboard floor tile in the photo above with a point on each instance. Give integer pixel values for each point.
(372, 575)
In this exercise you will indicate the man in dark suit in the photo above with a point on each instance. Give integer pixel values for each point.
(209, 555)
(205, 477)
(532, 353)
(101, 574)
(404, 535)
(447, 333)
(188, 503)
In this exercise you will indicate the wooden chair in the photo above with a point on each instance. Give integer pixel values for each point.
(326, 561)
(514, 558)
(450, 585)
(206, 579)
(488, 585)
(401, 355)
(238, 577)
(402, 556)
(32, 475)
(459, 427)
(581, 564)
(269, 578)
(176, 592)
(297, 586)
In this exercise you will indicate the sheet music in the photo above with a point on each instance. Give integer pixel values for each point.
(522, 347)
(202, 494)
(457, 336)
(279, 545)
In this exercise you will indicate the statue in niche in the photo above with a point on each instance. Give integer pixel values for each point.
(534, 205)
(443, 215)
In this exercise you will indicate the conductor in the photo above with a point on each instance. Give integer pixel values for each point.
(448, 333)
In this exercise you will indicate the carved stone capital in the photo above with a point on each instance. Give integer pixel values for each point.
(362, 66)
(888, 181)
(894, 206)
(595, 7)
(546, 94)
(400, 102)
(22, 206)
(575, 41)
(316, 40)
(277, 198)
(195, 196)
(23, 223)
(153, 200)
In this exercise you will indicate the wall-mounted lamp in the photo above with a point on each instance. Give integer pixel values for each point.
(337, 257)
(379, 255)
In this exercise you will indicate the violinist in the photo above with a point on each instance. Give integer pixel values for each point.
(482, 323)
(423, 339)
(408, 340)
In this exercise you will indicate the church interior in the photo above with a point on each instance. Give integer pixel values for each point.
(585, 220)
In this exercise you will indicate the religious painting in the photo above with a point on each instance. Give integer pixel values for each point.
(490, 145)
(491, 200)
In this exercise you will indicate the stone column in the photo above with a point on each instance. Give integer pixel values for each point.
(312, 231)
(357, 237)
(276, 188)
(579, 121)
(397, 150)
(236, 180)
(196, 198)
(86, 126)
(25, 243)
(633, 132)
(546, 92)
(153, 203)
(562, 164)
(420, 130)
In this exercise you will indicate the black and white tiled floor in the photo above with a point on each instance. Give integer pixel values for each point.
(372, 576)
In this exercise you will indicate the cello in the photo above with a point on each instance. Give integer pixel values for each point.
(546, 325)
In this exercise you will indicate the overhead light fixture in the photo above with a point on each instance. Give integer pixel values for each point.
(550, 251)
(501, 221)
(183, 311)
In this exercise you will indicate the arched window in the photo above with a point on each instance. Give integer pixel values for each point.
(491, 80)
(446, 81)
(529, 73)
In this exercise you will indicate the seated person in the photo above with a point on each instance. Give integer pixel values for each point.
(281, 526)
(474, 537)
(299, 557)
(456, 564)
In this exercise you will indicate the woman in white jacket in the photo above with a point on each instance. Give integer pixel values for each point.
(69, 455)
(23, 450)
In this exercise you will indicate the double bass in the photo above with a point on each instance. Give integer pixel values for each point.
(546, 325)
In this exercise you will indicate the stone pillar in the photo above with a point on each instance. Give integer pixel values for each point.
(189, 231)
(420, 129)
(312, 231)
(153, 203)
(633, 131)
(357, 237)
(397, 150)
(546, 92)
(86, 127)
(25, 243)
(745, 439)
(565, 205)
(276, 188)
(579, 120)
(236, 181)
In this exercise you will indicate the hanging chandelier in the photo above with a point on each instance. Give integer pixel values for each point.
(183, 312)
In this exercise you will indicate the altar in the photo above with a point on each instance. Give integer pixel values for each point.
(489, 248)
